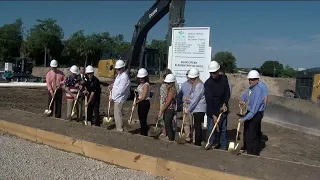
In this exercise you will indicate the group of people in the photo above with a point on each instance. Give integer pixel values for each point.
(81, 86)
(195, 99)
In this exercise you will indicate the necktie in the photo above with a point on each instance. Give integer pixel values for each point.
(248, 100)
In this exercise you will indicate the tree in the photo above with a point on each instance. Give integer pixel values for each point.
(11, 39)
(271, 68)
(288, 72)
(44, 37)
(226, 60)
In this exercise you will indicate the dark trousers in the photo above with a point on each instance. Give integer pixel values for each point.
(168, 118)
(93, 107)
(57, 103)
(198, 118)
(245, 125)
(143, 110)
(252, 135)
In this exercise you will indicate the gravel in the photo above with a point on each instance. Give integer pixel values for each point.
(21, 159)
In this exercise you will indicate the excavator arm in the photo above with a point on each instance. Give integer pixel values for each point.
(151, 17)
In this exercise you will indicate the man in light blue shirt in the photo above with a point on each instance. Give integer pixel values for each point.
(254, 97)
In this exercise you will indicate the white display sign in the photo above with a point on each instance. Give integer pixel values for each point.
(189, 49)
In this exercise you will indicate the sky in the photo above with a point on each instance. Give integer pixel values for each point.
(254, 32)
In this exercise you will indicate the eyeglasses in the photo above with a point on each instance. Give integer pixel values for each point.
(252, 79)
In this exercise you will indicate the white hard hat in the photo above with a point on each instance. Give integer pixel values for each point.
(253, 74)
(170, 78)
(213, 66)
(54, 63)
(119, 64)
(74, 69)
(142, 73)
(193, 73)
(89, 69)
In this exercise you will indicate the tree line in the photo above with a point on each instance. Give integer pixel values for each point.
(45, 41)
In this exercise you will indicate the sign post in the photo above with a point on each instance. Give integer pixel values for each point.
(190, 48)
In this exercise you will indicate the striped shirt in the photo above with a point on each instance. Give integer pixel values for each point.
(73, 84)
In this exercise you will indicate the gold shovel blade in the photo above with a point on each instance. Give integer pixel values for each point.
(231, 147)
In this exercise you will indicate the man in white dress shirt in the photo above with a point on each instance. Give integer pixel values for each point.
(120, 92)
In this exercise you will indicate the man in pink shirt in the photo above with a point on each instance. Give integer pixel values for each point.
(55, 80)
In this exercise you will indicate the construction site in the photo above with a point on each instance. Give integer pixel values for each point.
(285, 147)
(290, 144)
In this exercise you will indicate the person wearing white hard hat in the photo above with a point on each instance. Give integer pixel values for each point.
(217, 94)
(143, 102)
(254, 97)
(169, 107)
(120, 92)
(163, 95)
(55, 80)
(94, 95)
(196, 103)
(72, 87)
(255, 73)
(81, 101)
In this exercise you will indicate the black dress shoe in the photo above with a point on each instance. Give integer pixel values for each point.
(243, 149)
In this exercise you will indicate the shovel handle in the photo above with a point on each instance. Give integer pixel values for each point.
(238, 129)
(75, 102)
(85, 111)
(52, 98)
(132, 109)
(109, 103)
(214, 127)
(183, 122)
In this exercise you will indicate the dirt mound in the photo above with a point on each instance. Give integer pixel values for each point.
(276, 86)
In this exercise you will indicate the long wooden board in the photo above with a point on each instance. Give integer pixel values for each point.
(156, 166)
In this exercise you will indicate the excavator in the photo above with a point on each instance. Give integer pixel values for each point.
(139, 56)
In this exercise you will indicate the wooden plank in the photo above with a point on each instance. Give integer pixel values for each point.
(59, 141)
(157, 166)
(19, 130)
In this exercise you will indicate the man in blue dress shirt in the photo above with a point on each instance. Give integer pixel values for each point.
(254, 97)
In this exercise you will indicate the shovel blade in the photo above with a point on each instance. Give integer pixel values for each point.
(180, 139)
(154, 132)
(233, 148)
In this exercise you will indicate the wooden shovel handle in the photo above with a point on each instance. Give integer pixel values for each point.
(215, 125)
(238, 129)
(52, 98)
(74, 104)
(109, 103)
(132, 109)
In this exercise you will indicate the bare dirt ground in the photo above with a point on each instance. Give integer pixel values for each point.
(281, 143)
